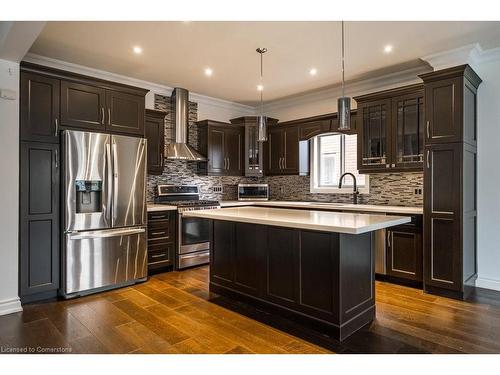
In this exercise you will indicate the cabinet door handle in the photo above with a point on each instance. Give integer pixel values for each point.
(102, 115)
(388, 238)
(228, 163)
(428, 131)
(109, 116)
(428, 162)
(158, 256)
(56, 158)
(279, 163)
(225, 163)
(57, 127)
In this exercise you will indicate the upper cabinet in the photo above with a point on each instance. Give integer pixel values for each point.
(253, 152)
(408, 130)
(283, 150)
(390, 128)
(450, 106)
(39, 108)
(155, 134)
(125, 112)
(83, 106)
(53, 100)
(222, 144)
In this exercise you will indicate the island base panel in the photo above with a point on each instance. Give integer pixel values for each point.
(324, 278)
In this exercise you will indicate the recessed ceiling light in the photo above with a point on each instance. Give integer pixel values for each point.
(137, 50)
(208, 72)
(388, 48)
(260, 87)
(313, 71)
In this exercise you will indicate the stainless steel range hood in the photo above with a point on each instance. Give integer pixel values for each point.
(180, 150)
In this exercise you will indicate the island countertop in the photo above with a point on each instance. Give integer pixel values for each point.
(340, 222)
(379, 208)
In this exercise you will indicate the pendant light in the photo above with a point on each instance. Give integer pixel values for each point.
(261, 120)
(344, 102)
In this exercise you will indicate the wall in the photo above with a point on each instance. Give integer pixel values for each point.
(9, 169)
(392, 189)
(488, 175)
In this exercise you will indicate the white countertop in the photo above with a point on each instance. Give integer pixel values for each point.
(160, 207)
(329, 206)
(340, 222)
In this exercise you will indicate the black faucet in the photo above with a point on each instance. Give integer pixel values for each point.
(355, 191)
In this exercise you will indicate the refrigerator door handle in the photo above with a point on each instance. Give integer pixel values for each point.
(105, 233)
(109, 176)
(115, 182)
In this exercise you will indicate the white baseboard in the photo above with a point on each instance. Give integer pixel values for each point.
(9, 306)
(488, 283)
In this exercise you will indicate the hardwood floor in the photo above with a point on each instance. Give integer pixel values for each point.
(175, 313)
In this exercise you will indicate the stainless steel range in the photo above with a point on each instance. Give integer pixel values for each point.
(193, 242)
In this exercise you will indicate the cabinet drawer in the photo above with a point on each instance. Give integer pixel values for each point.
(160, 231)
(160, 254)
(160, 216)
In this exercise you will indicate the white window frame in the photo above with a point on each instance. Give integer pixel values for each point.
(314, 168)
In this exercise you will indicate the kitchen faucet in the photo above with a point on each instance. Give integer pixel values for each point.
(355, 191)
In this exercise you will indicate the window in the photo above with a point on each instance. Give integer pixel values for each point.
(333, 155)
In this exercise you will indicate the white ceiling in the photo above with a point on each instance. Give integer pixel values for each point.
(176, 53)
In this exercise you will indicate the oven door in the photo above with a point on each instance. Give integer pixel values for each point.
(193, 234)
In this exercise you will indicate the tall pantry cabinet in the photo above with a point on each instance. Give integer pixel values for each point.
(450, 179)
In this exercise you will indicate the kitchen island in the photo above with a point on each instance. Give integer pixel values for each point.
(311, 265)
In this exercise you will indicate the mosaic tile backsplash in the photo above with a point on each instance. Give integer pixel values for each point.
(387, 188)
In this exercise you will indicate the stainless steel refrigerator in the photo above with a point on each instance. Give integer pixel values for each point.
(104, 244)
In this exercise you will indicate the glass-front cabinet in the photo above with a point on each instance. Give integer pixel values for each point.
(375, 132)
(253, 149)
(253, 152)
(391, 130)
(408, 112)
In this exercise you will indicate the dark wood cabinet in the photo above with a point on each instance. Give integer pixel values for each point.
(408, 130)
(53, 99)
(283, 150)
(374, 135)
(39, 231)
(450, 208)
(155, 135)
(222, 144)
(125, 113)
(310, 129)
(390, 128)
(404, 253)
(39, 108)
(328, 277)
(253, 150)
(83, 106)
(161, 239)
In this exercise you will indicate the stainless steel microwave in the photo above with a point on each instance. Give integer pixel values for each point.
(253, 192)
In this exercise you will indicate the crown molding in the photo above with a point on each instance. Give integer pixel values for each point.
(353, 88)
(155, 88)
(467, 54)
(471, 54)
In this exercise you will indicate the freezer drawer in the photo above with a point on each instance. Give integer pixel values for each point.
(97, 259)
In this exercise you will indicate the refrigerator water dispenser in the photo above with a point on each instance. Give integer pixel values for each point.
(88, 196)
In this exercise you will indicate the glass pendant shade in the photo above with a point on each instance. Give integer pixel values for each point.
(344, 112)
(262, 128)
